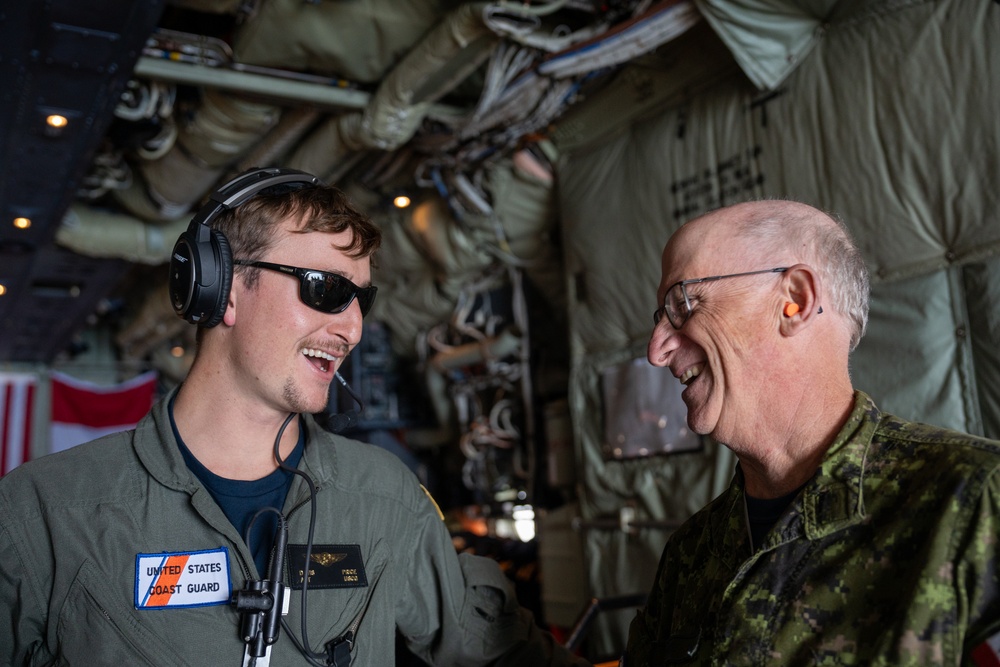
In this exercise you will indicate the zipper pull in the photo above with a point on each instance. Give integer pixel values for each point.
(338, 651)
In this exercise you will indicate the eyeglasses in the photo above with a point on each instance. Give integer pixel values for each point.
(677, 303)
(321, 290)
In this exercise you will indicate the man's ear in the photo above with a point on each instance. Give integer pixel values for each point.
(800, 299)
(229, 317)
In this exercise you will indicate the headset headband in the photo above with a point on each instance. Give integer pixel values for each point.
(242, 188)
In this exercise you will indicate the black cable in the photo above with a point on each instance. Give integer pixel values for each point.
(262, 510)
(306, 653)
(304, 646)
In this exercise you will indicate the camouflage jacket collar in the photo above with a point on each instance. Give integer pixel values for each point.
(831, 501)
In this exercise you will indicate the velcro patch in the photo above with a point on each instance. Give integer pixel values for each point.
(330, 566)
(182, 579)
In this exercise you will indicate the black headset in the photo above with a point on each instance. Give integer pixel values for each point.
(201, 265)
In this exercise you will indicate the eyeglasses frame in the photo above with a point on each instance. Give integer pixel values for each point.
(663, 310)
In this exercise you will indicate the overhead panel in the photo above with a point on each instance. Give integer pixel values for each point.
(64, 64)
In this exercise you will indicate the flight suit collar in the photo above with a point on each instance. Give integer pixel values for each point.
(157, 449)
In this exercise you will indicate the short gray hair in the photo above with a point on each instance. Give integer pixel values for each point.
(830, 248)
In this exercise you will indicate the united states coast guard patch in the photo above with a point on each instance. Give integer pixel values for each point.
(182, 579)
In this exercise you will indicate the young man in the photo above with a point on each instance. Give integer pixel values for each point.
(848, 536)
(166, 545)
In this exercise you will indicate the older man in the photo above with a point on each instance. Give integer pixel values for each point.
(848, 536)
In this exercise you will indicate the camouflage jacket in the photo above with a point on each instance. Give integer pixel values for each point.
(888, 556)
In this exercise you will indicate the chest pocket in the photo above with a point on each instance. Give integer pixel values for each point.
(95, 628)
(334, 611)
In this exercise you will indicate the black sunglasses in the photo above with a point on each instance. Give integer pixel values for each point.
(321, 290)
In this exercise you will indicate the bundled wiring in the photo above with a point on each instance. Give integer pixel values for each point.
(505, 64)
(109, 171)
(525, 30)
(662, 23)
(188, 47)
(525, 9)
(142, 100)
(524, 91)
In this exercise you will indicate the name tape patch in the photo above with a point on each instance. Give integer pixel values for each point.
(182, 579)
(330, 566)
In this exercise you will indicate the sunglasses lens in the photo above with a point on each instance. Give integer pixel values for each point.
(330, 293)
(366, 298)
(326, 292)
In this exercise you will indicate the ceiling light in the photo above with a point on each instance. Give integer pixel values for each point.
(55, 122)
(22, 223)
(3, 289)
(401, 201)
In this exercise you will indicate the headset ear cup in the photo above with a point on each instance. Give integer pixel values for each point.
(224, 262)
(181, 278)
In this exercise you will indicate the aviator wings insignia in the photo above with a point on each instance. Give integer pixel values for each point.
(326, 559)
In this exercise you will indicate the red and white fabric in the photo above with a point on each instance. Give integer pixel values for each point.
(82, 411)
(17, 401)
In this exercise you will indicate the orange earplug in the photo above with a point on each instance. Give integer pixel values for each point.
(791, 309)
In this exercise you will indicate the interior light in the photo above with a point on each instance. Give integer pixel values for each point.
(56, 121)
(3, 289)
(22, 223)
(401, 201)
(524, 522)
(177, 351)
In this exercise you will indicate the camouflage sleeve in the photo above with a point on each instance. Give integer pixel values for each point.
(640, 639)
(646, 626)
(978, 566)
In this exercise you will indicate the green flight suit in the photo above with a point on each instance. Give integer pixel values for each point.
(73, 524)
(888, 556)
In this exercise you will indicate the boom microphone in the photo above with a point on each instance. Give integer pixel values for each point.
(342, 421)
